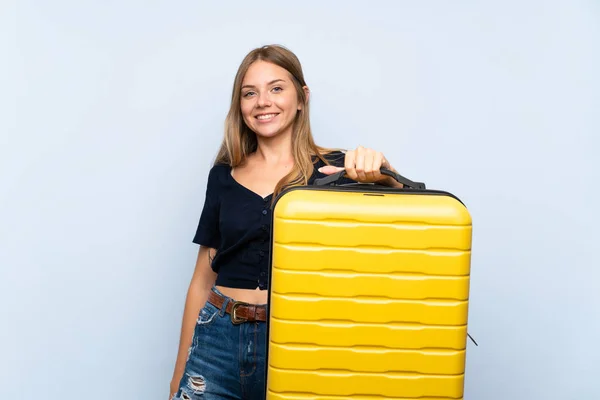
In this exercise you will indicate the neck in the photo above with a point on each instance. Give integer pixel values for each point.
(276, 150)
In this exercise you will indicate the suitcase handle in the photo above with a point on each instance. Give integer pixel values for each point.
(334, 179)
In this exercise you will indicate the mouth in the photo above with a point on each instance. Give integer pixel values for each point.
(266, 117)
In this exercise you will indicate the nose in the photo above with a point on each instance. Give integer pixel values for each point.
(264, 100)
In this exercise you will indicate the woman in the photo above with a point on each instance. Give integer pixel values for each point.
(268, 145)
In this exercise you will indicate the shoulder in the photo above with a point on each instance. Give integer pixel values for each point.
(218, 174)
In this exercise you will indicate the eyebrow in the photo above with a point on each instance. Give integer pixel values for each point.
(270, 83)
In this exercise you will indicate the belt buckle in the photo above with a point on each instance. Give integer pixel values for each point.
(234, 318)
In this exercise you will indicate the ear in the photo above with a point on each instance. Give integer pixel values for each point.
(307, 93)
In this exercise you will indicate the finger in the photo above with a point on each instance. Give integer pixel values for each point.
(360, 164)
(330, 169)
(378, 160)
(367, 164)
(385, 163)
(370, 156)
(377, 164)
(349, 164)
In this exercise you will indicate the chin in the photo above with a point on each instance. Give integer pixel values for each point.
(267, 133)
(269, 130)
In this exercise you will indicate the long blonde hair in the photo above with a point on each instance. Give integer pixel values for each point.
(240, 141)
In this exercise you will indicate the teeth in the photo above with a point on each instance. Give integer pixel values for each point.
(267, 116)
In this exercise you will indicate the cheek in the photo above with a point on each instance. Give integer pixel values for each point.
(290, 104)
(246, 110)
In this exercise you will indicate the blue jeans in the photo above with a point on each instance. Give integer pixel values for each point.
(225, 361)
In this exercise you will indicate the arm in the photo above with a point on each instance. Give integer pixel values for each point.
(202, 281)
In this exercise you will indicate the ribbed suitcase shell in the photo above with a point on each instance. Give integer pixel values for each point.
(368, 294)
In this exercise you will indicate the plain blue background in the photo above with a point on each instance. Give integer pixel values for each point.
(119, 112)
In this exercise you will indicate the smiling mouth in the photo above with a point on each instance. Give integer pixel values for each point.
(266, 117)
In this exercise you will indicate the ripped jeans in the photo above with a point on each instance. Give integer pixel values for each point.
(225, 361)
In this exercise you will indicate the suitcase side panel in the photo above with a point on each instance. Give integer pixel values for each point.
(316, 257)
(303, 396)
(343, 383)
(351, 334)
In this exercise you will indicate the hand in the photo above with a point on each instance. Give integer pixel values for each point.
(363, 165)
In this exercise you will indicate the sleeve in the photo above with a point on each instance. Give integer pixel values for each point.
(207, 232)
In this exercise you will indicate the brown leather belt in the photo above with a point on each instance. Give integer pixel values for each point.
(240, 312)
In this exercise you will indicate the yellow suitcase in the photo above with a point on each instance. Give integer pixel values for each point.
(369, 293)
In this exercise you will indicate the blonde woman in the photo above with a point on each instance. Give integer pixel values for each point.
(267, 146)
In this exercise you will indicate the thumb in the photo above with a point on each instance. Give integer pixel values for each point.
(330, 169)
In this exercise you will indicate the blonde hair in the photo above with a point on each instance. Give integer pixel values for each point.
(240, 141)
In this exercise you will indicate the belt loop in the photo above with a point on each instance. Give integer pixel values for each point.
(224, 306)
(225, 300)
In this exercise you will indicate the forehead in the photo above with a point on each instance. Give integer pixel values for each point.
(262, 72)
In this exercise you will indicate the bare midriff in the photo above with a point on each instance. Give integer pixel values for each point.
(250, 296)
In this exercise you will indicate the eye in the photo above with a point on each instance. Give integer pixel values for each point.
(277, 89)
(247, 94)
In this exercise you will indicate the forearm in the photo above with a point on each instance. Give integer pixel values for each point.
(196, 298)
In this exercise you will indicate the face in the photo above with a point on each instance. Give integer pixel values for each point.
(269, 101)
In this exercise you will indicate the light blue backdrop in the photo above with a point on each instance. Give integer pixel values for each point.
(119, 111)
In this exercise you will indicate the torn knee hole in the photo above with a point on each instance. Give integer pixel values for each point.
(184, 396)
(197, 384)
